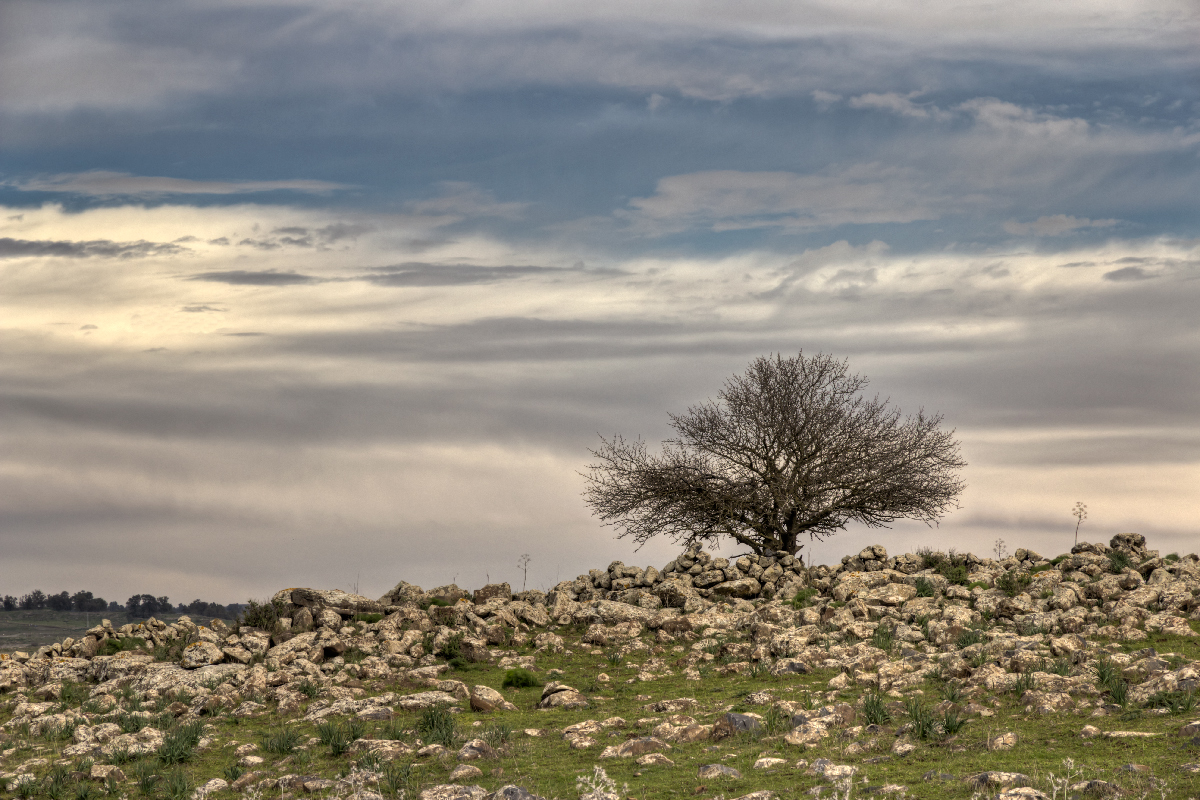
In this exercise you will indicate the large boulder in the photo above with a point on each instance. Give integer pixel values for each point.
(403, 592)
(201, 654)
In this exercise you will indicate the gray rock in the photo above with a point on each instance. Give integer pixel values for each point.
(450, 791)
(201, 654)
(713, 771)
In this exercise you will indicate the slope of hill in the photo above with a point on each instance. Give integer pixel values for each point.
(921, 675)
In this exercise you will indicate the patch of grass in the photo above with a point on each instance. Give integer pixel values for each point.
(497, 734)
(368, 618)
(399, 780)
(804, 597)
(1182, 702)
(335, 736)
(232, 772)
(434, 601)
(921, 721)
(280, 741)
(131, 723)
(883, 637)
(145, 774)
(73, 694)
(179, 745)
(951, 723)
(969, 637)
(1025, 682)
(874, 709)
(308, 689)
(110, 647)
(436, 725)
(353, 655)
(924, 587)
(176, 785)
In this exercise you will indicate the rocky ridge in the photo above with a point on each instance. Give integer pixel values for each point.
(884, 623)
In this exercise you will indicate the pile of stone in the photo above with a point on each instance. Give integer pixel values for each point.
(746, 599)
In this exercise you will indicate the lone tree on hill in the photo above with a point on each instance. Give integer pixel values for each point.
(790, 448)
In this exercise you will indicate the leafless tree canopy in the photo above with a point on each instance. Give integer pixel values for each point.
(790, 448)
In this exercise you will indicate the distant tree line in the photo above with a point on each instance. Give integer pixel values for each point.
(140, 605)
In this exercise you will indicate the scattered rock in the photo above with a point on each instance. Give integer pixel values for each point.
(713, 771)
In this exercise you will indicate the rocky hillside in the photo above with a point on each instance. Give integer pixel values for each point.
(856, 646)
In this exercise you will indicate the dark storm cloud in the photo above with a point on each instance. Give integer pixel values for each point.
(96, 248)
(241, 277)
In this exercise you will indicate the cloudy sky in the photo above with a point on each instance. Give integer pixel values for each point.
(340, 293)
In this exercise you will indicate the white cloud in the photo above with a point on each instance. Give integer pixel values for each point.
(101, 183)
(1055, 225)
(896, 103)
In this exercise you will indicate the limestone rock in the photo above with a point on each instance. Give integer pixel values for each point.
(201, 654)
(715, 771)
(559, 695)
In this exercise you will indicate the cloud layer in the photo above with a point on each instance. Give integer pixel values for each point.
(342, 293)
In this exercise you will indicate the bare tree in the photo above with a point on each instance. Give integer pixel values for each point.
(790, 448)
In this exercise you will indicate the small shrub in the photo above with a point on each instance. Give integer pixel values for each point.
(1171, 558)
(925, 587)
(280, 741)
(179, 745)
(1040, 568)
(1012, 582)
(434, 601)
(367, 618)
(955, 573)
(308, 689)
(1060, 666)
(1119, 561)
(265, 615)
(519, 678)
(353, 655)
(875, 710)
(436, 725)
